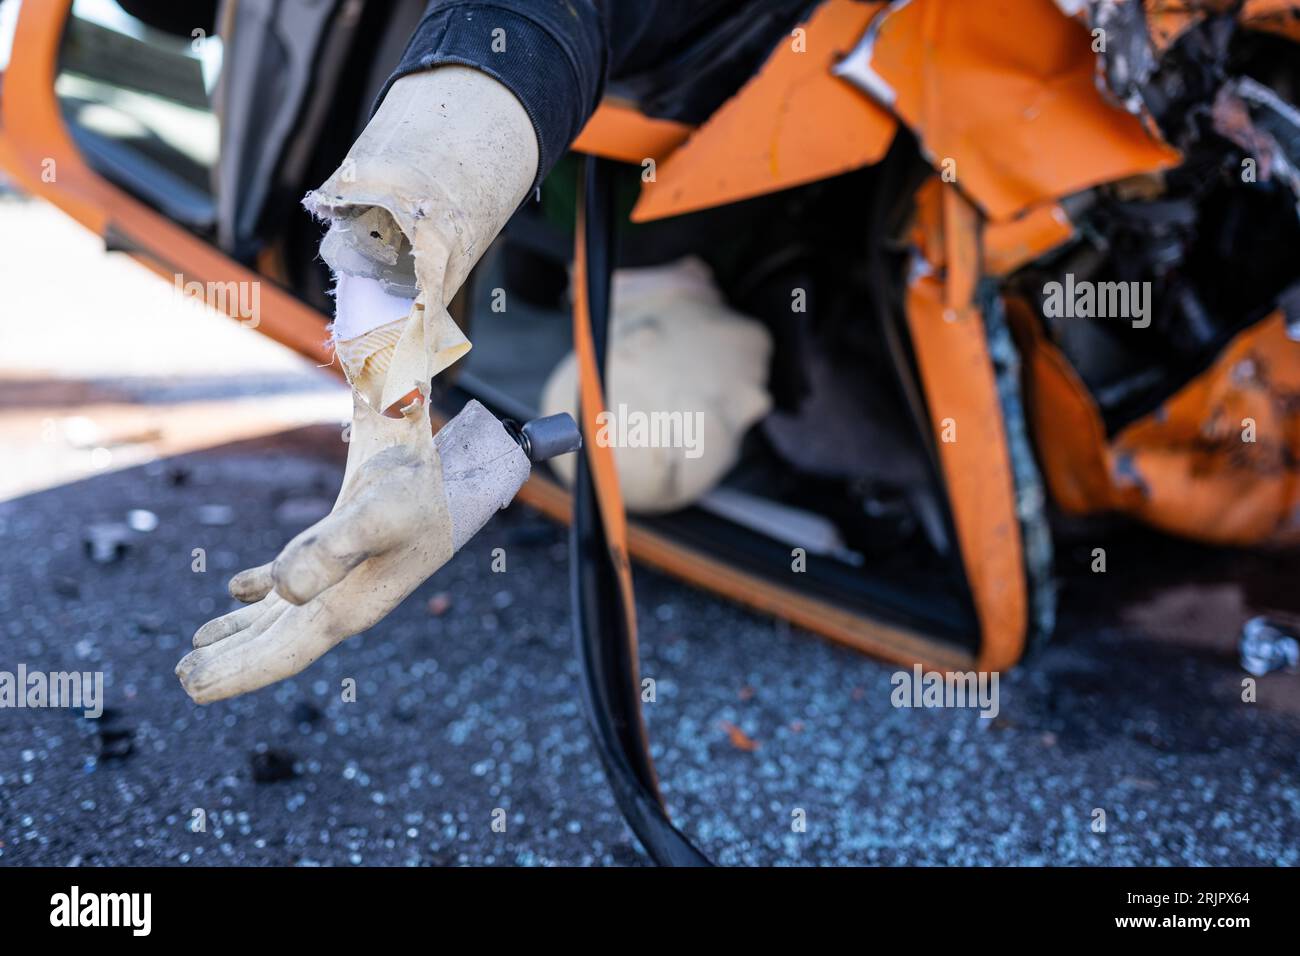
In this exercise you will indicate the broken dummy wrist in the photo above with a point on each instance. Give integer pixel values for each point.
(425, 189)
(443, 164)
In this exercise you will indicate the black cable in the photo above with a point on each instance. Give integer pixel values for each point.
(605, 646)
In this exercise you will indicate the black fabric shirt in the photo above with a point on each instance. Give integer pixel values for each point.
(676, 58)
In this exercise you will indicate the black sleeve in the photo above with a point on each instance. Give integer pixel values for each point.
(554, 55)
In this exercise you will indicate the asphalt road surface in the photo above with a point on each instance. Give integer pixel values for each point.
(467, 700)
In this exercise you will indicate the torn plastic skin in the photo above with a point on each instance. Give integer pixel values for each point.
(443, 163)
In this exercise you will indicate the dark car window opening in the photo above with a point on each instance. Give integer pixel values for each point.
(138, 101)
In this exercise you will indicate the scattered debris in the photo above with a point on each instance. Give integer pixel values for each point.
(106, 542)
(148, 622)
(273, 766)
(216, 516)
(142, 520)
(65, 586)
(113, 739)
(305, 712)
(1267, 646)
(739, 739)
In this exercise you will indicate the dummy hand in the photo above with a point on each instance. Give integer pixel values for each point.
(440, 167)
(390, 528)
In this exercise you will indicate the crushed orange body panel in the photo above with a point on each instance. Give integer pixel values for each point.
(1273, 16)
(1202, 477)
(793, 123)
(1011, 243)
(1217, 462)
(1008, 92)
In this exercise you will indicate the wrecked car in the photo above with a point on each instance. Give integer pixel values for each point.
(1008, 262)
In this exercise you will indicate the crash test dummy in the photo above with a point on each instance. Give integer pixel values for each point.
(484, 101)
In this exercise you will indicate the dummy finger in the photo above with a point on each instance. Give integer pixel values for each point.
(323, 555)
(252, 584)
(220, 628)
(292, 643)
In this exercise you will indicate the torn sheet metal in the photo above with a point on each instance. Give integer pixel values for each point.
(857, 66)
(1126, 54)
(793, 123)
(418, 199)
(1272, 16)
(1004, 100)
(1167, 22)
(1012, 243)
(1216, 462)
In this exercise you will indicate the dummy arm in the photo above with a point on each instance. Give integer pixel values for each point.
(425, 189)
